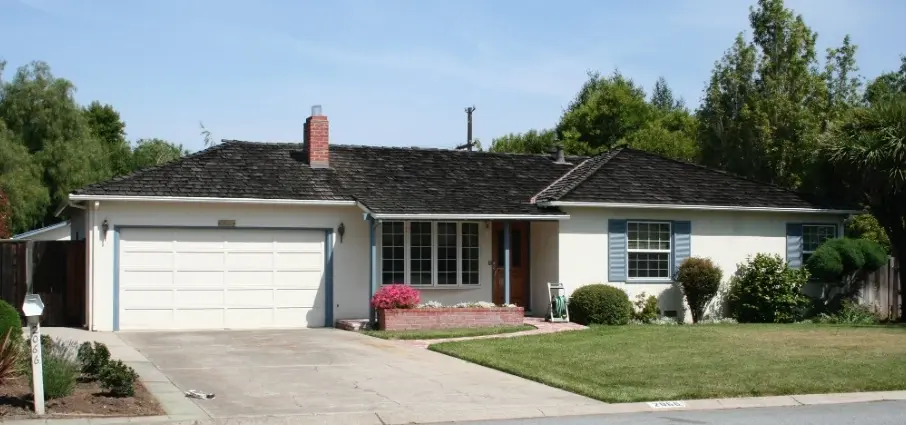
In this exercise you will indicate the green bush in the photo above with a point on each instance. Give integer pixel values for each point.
(850, 313)
(766, 290)
(60, 369)
(93, 356)
(865, 226)
(118, 379)
(838, 260)
(600, 304)
(699, 278)
(10, 321)
(646, 308)
(825, 263)
(874, 253)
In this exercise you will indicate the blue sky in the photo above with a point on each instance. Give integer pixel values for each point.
(390, 72)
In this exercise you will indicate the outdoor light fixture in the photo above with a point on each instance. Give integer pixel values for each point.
(105, 226)
(341, 231)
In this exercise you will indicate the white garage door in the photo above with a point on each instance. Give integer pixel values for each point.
(220, 279)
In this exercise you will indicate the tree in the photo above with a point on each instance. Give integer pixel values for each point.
(762, 111)
(888, 84)
(662, 97)
(865, 226)
(603, 113)
(21, 183)
(5, 216)
(842, 82)
(532, 141)
(869, 154)
(105, 124)
(40, 110)
(154, 152)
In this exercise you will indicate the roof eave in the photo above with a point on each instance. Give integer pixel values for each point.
(260, 201)
(467, 217)
(698, 207)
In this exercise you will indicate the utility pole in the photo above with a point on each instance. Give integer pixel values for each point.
(469, 144)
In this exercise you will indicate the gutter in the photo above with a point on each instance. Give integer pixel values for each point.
(259, 201)
(466, 217)
(696, 207)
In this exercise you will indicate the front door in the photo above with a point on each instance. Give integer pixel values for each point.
(519, 263)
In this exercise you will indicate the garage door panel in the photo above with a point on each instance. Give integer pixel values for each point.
(220, 278)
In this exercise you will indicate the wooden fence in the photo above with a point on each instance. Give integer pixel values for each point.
(882, 289)
(57, 274)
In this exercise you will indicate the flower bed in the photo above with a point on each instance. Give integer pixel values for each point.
(402, 319)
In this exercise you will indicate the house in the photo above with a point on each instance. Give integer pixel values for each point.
(259, 235)
(55, 232)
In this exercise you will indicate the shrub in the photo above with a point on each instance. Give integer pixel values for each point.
(10, 321)
(865, 226)
(10, 355)
(766, 290)
(395, 296)
(699, 279)
(646, 308)
(850, 313)
(825, 264)
(600, 304)
(838, 260)
(874, 253)
(118, 379)
(93, 356)
(60, 370)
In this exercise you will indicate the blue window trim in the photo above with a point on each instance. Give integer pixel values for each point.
(647, 280)
(328, 262)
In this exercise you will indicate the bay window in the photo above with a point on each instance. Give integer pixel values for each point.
(429, 254)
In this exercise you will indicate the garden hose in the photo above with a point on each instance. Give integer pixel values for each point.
(558, 303)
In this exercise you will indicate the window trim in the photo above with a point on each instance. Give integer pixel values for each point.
(407, 254)
(803, 251)
(669, 251)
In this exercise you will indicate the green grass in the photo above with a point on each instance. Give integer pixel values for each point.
(447, 333)
(647, 363)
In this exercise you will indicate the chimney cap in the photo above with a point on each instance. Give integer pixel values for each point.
(316, 111)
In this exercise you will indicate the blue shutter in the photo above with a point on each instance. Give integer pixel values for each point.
(616, 250)
(682, 242)
(794, 245)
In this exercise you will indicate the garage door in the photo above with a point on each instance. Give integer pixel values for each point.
(220, 279)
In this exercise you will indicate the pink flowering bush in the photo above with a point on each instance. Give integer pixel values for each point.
(395, 296)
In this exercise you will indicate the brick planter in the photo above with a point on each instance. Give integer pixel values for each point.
(449, 318)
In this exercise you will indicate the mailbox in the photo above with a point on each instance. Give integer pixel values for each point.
(33, 306)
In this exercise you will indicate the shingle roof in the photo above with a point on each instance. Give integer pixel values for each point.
(630, 176)
(391, 180)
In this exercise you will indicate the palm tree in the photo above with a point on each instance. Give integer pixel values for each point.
(869, 155)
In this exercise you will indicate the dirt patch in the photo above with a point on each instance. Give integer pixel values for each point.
(88, 400)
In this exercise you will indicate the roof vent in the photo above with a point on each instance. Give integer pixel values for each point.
(559, 157)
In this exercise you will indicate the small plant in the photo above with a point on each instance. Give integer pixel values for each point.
(118, 379)
(60, 369)
(699, 278)
(766, 290)
(600, 304)
(475, 304)
(395, 296)
(431, 304)
(646, 308)
(10, 354)
(93, 356)
(10, 321)
(851, 313)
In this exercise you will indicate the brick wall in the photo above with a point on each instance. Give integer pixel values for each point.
(449, 318)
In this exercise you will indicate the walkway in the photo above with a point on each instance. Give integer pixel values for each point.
(541, 327)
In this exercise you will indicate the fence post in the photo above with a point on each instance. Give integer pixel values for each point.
(29, 267)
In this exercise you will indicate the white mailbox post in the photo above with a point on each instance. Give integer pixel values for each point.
(33, 307)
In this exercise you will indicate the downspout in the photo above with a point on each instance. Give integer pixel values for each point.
(372, 287)
(91, 268)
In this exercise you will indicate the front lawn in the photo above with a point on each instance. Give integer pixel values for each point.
(647, 363)
(448, 333)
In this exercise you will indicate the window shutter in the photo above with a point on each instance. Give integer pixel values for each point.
(682, 242)
(794, 245)
(616, 250)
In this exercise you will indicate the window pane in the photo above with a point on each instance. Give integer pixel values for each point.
(813, 236)
(654, 265)
(392, 253)
(420, 253)
(446, 253)
(648, 236)
(470, 253)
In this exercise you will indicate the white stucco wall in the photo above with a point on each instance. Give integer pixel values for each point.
(544, 263)
(727, 238)
(351, 276)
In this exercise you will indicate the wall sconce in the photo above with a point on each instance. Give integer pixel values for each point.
(341, 231)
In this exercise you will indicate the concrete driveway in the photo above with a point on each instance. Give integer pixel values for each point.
(333, 372)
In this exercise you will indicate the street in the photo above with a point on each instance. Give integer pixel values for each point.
(876, 413)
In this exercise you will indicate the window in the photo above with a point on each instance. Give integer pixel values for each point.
(648, 250)
(813, 235)
(422, 253)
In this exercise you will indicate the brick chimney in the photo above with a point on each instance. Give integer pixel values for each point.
(316, 141)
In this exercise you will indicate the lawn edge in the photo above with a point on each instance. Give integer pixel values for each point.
(524, 328)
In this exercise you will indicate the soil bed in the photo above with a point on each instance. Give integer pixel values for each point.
(87, 400)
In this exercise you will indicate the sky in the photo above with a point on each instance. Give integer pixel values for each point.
(392, 72)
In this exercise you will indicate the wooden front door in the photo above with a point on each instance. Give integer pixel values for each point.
(519, 263)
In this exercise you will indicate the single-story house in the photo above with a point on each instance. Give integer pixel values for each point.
(55, 232)
(260, 235)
